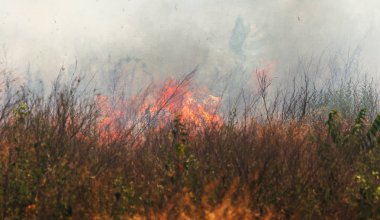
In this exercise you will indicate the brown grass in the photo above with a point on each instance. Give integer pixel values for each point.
(256, 168)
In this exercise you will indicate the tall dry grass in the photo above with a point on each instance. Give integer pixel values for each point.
(279, 160)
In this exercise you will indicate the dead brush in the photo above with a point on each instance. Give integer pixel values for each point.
(54, 164)
(184, 206)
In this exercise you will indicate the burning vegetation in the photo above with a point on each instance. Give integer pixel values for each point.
(171, 152)
(173, 100)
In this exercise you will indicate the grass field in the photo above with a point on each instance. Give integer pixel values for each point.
(303, 153)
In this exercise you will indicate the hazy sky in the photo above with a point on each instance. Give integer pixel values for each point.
(174, 36)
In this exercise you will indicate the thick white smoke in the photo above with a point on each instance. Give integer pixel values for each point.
(169, 37)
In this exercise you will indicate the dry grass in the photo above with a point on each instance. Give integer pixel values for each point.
(56, 164)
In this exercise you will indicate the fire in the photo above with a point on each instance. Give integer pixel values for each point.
(172, 100)
(107, 126)
(263, 73)
(181, 101)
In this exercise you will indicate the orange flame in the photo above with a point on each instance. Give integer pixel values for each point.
(107, 126)
(195, 107)
(173, 100)
(264, 72)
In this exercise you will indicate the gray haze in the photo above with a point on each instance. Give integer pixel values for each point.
(170, 37)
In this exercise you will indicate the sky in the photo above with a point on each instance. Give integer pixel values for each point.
(171, 37)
